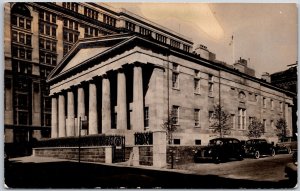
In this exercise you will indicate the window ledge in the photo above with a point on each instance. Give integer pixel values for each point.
(196, 93)
(176, 89)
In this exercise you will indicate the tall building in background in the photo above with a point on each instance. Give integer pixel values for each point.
(37, 36)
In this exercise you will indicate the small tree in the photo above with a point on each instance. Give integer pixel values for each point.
(220, 121)
(281, 128)
(170, 126)
(256, 128)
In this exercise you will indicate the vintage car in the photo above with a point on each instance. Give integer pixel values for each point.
(258, 147)
(220, 149)
(286, 145)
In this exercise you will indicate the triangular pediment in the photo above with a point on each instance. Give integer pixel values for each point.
(85, 50)
(83, 55)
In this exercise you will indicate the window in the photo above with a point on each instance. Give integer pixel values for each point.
(210, 78)
(20, 16)
(130, 26)
(47, 120)
(71, 6)
(197, 142)
(196, 85)
(22, 118)
(176, 141)
(145, 31)
(174, 43)
(197, 117)
(175, 81)
(109, 20)
(22, 101)
(90, 31)
(146, 116)
(242, 118)
(175, 114)
(250, 120)
(210, 87)
(161, 38)
(232, 120)
(186, 48)
(272, 104)
(256, 97)
(264, 124)
(272, 124)
(264, 102)
(210, 115)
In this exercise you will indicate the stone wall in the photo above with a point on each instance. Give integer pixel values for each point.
(146, 155)
(181, 154)
(90, 154)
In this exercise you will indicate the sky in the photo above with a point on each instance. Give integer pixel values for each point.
(264, 34)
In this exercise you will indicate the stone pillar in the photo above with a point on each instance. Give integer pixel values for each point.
(138, 99)
(71, 114)
(106, 108)
(159, 149)
(61, 116)
(108, 154)
(93, 114)
(158, 106)
(81, 106)
(54, 127)
(121, 101)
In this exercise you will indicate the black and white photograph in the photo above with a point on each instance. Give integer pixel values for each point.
(150, 95)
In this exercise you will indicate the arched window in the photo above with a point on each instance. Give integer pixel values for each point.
(21, 16)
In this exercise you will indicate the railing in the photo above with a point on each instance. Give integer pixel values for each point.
(145, 138)
(89, 140)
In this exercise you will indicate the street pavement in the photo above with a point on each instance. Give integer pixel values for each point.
(41, 172)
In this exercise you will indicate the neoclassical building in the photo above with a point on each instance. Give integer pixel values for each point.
(122, 84)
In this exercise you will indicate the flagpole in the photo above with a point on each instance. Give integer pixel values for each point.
(232, 50)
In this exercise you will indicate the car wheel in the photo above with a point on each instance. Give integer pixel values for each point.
(289, 150)
(256, 155)
(272, 152)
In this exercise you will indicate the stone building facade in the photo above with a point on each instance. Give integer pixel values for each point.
(122, 84)
(37, 36)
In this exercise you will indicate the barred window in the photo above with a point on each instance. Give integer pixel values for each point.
(130, 26)
(161, 38)
(145, 31)
(175, 114)
(109, 20)
(174, 43)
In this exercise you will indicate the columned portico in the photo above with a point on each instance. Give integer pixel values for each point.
(138, 98)
(93, 114)
(54, 119)
(61, 116)
(71, 114)
(106, 105)
(121, 101)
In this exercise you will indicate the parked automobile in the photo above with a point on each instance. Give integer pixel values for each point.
(291, 169)
(220, 149)
(286, 145)
(258, 147)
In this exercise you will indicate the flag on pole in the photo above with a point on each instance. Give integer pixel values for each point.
(231, 42)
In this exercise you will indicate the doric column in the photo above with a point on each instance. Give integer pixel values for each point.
(71, 114)
(121, 101)
(54, 127)
(80, 106)
(61, 116)
(106, 110)
(93, 114)
(138, 99)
